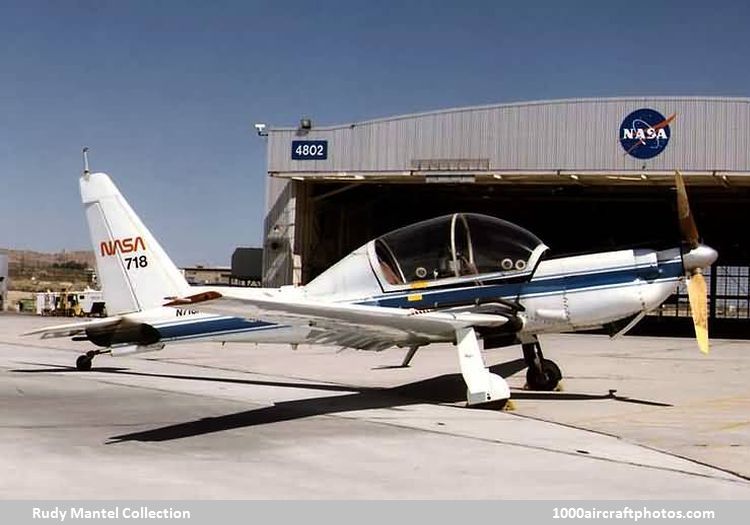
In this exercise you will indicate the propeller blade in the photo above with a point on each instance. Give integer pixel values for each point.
(687, 224)
(696, 286)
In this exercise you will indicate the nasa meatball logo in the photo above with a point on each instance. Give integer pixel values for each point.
(645, 133)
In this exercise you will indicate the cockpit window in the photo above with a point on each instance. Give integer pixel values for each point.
(457, 245)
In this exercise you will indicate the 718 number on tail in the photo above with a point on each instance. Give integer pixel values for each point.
(135, 262)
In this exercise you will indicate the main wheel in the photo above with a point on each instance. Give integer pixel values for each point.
(83, 363)
(547, 380)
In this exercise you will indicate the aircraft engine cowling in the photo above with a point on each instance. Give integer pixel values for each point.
(124, 333)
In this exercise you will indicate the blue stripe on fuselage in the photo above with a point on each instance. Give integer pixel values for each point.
(210, 327)
(542, 286)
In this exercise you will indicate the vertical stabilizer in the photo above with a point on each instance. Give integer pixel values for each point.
(134, 271)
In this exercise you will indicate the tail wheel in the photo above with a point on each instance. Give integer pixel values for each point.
(83, 363)
(547, 379)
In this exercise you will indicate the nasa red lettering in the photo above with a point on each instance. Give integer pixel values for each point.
(125, 245)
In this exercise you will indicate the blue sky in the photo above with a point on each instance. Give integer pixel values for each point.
(165, 93)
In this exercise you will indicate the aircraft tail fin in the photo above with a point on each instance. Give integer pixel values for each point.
(134, 270)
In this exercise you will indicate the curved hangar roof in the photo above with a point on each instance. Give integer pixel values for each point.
(637, 140)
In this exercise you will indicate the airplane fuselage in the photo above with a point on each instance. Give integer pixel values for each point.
(565, 294)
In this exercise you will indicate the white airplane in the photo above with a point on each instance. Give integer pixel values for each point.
(461, 278)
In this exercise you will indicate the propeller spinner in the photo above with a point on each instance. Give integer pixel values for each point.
(698, 257)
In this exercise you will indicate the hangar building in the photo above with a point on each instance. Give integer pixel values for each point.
(582, 174)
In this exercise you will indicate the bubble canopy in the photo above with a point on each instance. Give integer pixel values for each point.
(454, 246)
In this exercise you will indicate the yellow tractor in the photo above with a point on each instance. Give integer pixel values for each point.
(67, 305)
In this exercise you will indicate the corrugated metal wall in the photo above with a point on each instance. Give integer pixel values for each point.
(708, 134)
(582, 135)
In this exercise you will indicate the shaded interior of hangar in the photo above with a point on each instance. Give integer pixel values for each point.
(336, 218)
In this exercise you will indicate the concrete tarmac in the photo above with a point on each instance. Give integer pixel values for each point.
(202, 420)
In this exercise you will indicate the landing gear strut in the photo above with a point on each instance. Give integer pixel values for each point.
(542, 374)
(83, 363)
(409, 356)
(483, 389)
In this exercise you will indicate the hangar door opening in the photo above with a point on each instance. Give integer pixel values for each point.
(333, 219)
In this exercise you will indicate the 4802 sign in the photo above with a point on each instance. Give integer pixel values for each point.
(309, 149)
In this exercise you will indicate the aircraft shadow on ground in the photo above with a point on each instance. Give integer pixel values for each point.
(62, 369)
(448, 388)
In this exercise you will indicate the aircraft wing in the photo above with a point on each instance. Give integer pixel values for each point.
(71, 329)
(350, 325)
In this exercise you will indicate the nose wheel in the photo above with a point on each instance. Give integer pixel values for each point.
(542, 374)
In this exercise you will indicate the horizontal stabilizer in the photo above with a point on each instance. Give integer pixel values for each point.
(71, 329)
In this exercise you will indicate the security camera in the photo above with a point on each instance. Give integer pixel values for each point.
(261, 129)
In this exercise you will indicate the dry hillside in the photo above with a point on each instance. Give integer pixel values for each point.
(32, 271)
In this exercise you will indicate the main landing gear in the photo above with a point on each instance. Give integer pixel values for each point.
(83, 363)
(483, 388)
(542, 374)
